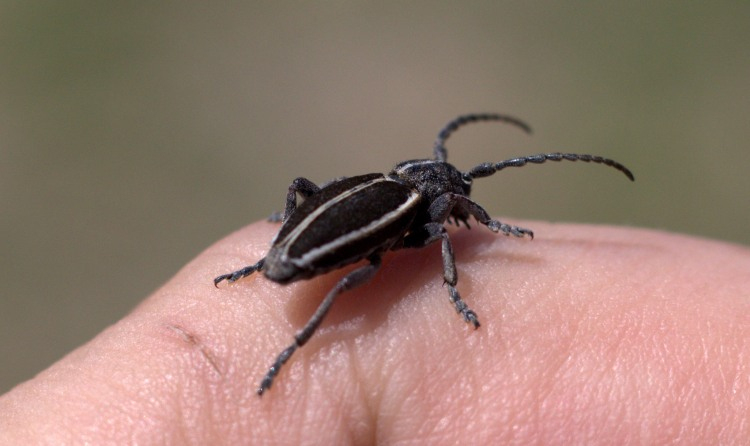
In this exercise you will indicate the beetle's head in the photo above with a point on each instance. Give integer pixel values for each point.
(432, 178)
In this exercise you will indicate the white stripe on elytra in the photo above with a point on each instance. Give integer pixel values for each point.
(289, 239)
(315, 253)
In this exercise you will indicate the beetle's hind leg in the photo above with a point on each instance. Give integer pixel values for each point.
(351, 280)
(304, 187)
(432, 232)
(301, 186)
(240, 273)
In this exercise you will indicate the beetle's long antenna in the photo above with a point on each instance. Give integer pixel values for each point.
(439, 148)
(487, 169)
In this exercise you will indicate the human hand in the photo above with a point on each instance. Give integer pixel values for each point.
(589, 334)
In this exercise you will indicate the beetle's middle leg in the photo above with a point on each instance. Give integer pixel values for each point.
(300, 185)
(351, 280)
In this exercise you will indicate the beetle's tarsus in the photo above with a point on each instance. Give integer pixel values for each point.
(220, 278)
(461, 308)
(274, 369)
(240, 273)
(498, 226)
(471, 317)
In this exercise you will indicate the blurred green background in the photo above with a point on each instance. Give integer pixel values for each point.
(135, 134)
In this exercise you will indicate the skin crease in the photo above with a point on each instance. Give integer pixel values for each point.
(590, 335)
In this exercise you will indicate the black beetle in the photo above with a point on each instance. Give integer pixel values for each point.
(350, 219)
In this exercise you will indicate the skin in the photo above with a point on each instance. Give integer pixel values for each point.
(590, 334)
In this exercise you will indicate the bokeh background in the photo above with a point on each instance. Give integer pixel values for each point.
(135, 134)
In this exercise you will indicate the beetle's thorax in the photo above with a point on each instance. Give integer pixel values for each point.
(432, 178)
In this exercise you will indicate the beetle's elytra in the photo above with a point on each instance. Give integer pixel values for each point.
(361, 217)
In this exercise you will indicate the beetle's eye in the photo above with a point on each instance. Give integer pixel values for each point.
(467, 179)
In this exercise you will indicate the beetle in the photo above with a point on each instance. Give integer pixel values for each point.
(356, 218)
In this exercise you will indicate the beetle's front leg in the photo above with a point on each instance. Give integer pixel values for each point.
(494, 225)
(240, 273)
(432, 232)
(441, 209)
(301, 186)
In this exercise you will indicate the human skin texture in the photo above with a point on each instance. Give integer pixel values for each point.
(590, 335)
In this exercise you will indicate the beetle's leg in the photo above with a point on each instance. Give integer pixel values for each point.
(239, 274)
(329, 182)
(306, 188)
(275, 217)
(494, 225)
(351, 280)
(441, 209)
(301, 186)
(429, 233)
